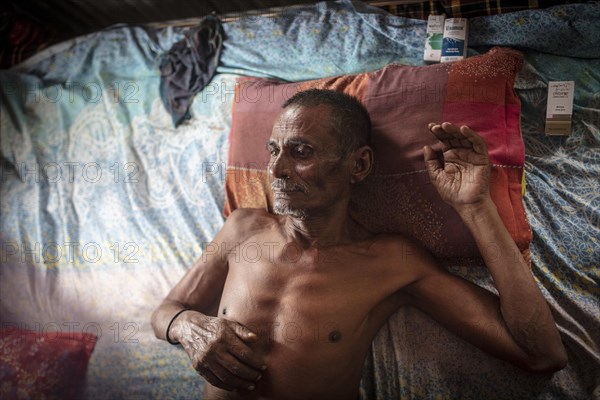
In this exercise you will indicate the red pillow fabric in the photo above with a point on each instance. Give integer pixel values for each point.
(43, 365)
(398, 197)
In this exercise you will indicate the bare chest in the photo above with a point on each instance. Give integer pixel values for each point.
(296, 296)
(315, 313)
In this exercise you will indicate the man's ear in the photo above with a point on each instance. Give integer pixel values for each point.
(363, 164)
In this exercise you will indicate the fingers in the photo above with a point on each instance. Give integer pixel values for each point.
(240, 370)
(432, 163)
(243, 333)
(218, 375)
(235, 340)
(242, 352)
(453, 136)
(227, 372)
(248, 357)
(476, 140)
(223, 354)
(223, 369)
(215, 381)
(450, 135)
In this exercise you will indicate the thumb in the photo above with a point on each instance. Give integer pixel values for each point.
(432, 163)
(244, 333)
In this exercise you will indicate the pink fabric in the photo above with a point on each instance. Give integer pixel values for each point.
(43, 365)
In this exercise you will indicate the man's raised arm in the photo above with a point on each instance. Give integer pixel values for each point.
(518, 326)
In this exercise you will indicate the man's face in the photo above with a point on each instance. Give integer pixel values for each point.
(307, 170)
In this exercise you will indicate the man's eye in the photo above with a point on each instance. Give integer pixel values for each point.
(273, 151)
(303, 151)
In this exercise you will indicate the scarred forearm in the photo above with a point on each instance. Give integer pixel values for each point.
(522, 305)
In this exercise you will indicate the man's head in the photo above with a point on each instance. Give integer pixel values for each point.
(348, 117)
(319, 149)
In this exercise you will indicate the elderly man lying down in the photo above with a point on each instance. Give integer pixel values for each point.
(297, 323)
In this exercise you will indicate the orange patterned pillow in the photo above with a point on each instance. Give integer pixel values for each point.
(398, 197)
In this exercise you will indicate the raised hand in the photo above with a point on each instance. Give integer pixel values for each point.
(219, 350)
(461, 175)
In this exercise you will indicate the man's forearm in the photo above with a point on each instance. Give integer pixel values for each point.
(163, 316)
(523, 307)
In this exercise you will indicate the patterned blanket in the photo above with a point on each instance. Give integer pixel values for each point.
(105, 205)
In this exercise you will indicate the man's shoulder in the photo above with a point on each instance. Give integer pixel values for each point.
(243, 222)
(396, 242)
(240, 215)
(397, 250)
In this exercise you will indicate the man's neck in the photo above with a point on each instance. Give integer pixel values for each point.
(335, 227)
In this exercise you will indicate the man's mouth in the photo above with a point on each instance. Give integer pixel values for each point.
(286, 187)
(286, 191)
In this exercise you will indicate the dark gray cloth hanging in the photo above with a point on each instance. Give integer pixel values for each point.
(189, 66)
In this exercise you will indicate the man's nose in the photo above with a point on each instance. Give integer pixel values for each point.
(279, 167)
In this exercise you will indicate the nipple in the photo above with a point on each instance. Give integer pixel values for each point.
(335, 336)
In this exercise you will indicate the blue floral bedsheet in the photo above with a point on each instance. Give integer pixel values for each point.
(105, 205)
